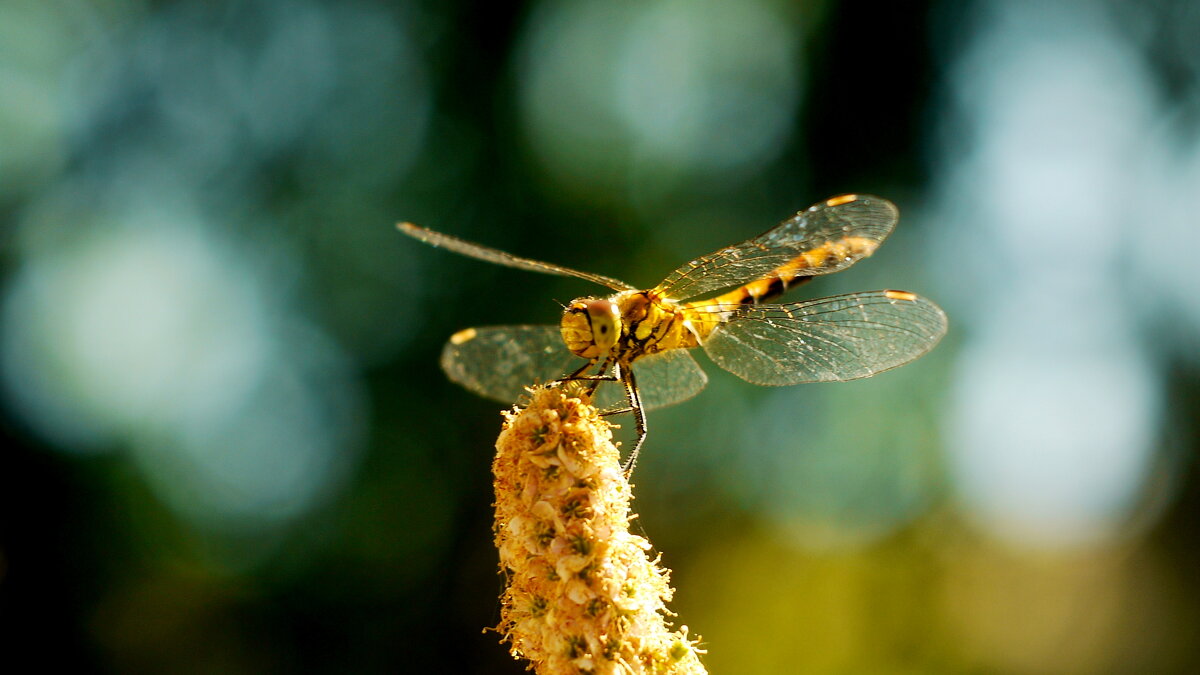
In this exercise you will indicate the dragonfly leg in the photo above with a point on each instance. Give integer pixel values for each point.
(578, 373)
(618, 411)
(589, 378)
(639, 416)
(595, 380)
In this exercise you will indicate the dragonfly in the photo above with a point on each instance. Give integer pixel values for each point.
(643, 339)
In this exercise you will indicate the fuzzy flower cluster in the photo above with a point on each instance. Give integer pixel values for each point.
(583, 594)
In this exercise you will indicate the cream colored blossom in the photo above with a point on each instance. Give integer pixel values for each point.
(583, 596)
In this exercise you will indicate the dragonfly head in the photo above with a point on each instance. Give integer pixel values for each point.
(591, 326)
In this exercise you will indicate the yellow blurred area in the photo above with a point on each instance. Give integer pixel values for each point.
(933, 599)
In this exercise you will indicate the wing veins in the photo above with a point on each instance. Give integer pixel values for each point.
(863, 216)
(496, 256)
(828, 339)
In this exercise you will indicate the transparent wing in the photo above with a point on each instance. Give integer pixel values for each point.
(499, 257)
(663, 379)
(860, 222)
(843, 337)
(668, 377)
(498, 362)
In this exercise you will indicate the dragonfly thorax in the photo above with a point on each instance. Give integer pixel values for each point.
(591, 327)
(626, 326)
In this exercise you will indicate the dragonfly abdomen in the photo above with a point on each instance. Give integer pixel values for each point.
(798, 270)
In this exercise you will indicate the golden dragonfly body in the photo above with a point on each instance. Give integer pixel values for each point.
(641, 338)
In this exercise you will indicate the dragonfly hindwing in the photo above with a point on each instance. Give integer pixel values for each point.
(844, 337)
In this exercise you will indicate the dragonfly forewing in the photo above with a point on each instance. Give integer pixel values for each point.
(494, 255)
(499, 362)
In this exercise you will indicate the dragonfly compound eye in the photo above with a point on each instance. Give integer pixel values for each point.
(590, 327)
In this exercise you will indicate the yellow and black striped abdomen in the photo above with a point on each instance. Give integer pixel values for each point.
(796, 271)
